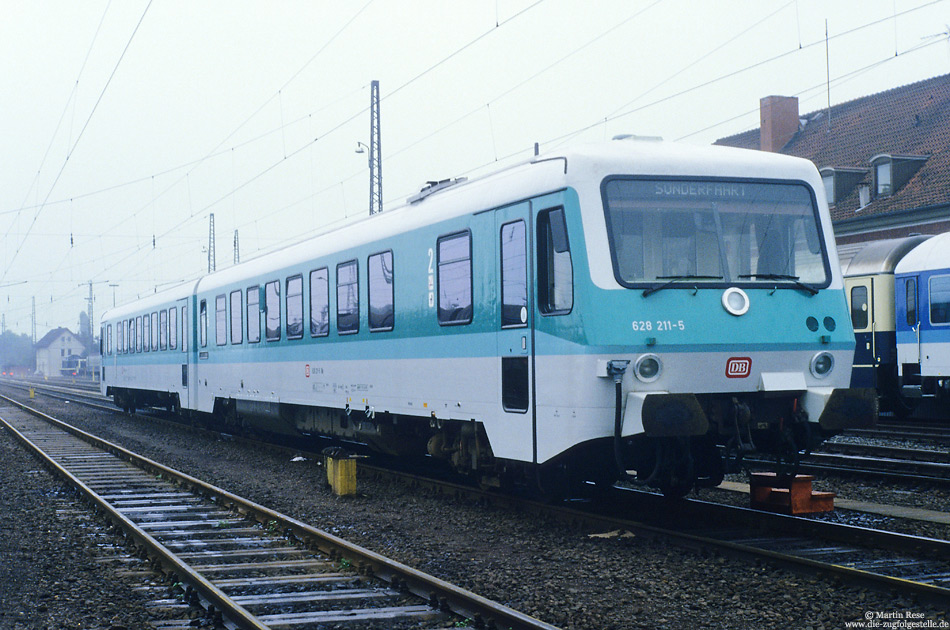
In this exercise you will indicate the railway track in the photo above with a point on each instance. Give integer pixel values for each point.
(895, 431)
(241, 563)
(884, 560)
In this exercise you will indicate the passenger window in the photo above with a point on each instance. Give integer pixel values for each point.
(381, 311)
(295, 307)
(237, 328)
(139, 329)
(319, 303)
(347, 298)
(146, 332)
(859, 307)
(272, 311)
(910, 292)
(184, 329)
(109, 344)
(254, 314)
(154, 332)
(514, 275)
(163, 329)
(940, 300)
(455, 279)
(555, 270)
(220, 320)
(203, 324)
(172, 328)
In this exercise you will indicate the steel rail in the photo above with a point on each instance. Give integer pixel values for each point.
(439, 593)
(828, 531)
(692, 511)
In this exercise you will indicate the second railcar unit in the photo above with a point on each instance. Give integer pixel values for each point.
(869, 285)
(626, 306)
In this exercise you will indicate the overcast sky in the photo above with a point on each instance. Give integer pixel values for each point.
(125, 124)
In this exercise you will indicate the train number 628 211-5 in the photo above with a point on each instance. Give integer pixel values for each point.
(660, 324)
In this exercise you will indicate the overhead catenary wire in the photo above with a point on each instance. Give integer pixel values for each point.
(76, 143)
(195, 213)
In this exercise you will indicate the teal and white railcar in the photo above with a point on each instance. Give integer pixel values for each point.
(634, 305)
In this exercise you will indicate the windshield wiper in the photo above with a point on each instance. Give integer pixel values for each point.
(673, 280)
(781, 276)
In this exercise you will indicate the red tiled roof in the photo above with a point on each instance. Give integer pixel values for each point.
(909, 120)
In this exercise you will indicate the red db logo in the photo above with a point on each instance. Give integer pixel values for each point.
(738, 367)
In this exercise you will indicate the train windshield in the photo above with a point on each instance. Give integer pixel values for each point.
(714, 231)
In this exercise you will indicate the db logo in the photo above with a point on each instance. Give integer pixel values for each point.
(306, 370)
(738, 367)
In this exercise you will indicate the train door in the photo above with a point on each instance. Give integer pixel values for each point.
(515, 338)
(909, 353)
(861, 300)
(183, 325)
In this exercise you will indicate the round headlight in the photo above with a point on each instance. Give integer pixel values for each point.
(648, 368)
(735, 301)
(822, 364)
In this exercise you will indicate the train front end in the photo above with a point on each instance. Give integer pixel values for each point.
(721, 322)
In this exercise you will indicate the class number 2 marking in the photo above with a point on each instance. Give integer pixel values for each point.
(431, 278)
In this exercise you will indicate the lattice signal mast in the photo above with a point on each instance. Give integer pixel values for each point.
(375, 157)
(211, 257)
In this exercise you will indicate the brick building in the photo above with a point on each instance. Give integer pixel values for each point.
(884, 158)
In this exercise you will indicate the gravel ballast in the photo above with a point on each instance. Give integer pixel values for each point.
(561, 574)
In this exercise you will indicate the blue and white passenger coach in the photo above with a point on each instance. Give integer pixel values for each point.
(634, 305)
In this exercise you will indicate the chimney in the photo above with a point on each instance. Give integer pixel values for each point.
(779, 116)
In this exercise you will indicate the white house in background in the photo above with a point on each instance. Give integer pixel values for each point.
(54, 350)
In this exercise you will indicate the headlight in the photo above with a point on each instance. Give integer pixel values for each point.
(648, 368)
(822, 364)
(735, 301)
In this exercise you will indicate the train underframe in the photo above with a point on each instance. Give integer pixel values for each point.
(691, 454)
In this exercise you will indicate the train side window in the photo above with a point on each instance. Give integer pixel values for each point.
(163, 329)
(147, 332)
(154, 332)
(139, 328)
(347, 298)
(203, 323)
(319, 302)
(237, 324)
(254, 314)
(940, 300)
(109, 344)
(555, 269)
(184, 329)
(454, 271)
(859, 307)
(514, 275)
(173, 328)
(119, 326)
(272, 310)
(514, 384)
(295, 307)
(910, 292)
(380, 274)
(221, 320)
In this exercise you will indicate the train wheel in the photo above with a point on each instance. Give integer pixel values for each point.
(674, 472)
(902, 407)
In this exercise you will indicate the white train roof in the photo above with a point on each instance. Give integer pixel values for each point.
(932, 254)
(582, 168)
